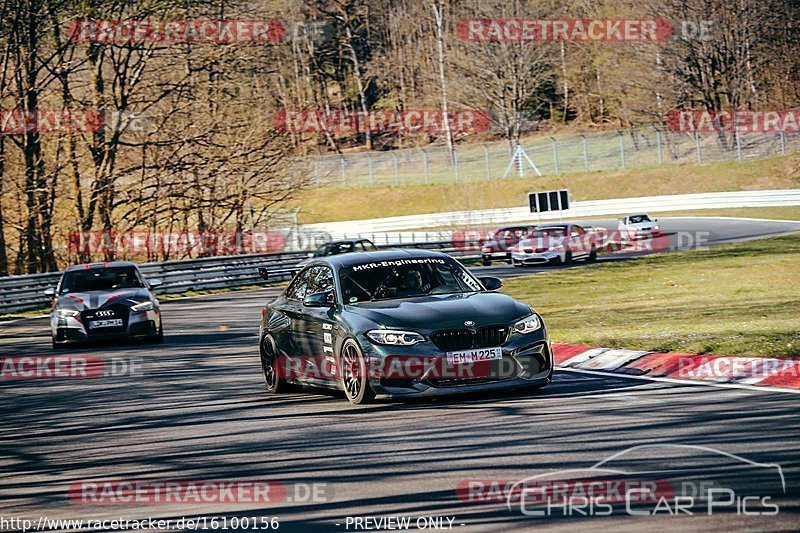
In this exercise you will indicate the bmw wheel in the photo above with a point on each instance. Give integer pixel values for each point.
(273, 380)
(568, 257)
(592, 255)
(354, 374)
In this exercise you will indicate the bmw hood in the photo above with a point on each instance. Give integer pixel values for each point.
(445, 311)
(97, 299)
(545, 242)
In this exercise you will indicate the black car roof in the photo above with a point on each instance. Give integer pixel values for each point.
(344, 260)
(112, 264)
(342, 241)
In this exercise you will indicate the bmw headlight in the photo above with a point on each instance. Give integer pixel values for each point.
(394, 337)
(142, 307)
(67, 313)
(528, 324)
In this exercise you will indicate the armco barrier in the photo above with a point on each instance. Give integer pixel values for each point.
(674, 202)
(21, 293)
(24, 293)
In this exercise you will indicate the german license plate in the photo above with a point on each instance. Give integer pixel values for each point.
(97, 324)
(473, 356)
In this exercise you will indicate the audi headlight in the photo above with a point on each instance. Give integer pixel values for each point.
(528, 325)
(395, 338)
(67, 313)
(142, 307)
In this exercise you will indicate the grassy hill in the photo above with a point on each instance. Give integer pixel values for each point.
(330, 204)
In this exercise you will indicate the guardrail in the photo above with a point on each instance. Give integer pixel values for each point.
(454, 219)
(25, 293)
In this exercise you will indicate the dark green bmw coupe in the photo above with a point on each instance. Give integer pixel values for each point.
(400, 323)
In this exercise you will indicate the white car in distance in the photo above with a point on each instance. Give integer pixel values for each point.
(639, 226)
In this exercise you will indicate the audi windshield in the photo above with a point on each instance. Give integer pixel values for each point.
(106, 279)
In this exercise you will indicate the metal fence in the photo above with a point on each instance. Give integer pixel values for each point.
(612, 150)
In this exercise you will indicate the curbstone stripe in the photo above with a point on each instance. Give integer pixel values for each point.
(760, 371)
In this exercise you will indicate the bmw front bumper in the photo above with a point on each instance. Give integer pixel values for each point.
(536, 258)
(526, 362)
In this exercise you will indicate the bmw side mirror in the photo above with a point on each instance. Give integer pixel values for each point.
(156, 283)
(50, 291)
(491, 283)
(319, 299)
(263, 273)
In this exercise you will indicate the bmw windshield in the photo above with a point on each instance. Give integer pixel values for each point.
(106, 279)
(406, 278)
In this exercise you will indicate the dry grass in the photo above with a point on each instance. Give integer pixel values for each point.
(332, 204)
(738, 299)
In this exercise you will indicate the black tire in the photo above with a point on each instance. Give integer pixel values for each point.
(568, 257)
(159, 338)
(272, 380)
(592, 255)
(354, 374)
(486, 262)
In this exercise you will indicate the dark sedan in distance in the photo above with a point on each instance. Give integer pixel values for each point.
(345, 246)
(400, 323)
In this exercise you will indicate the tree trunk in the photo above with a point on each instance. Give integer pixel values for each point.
(3, 253)
(438, 15)
(362, 96)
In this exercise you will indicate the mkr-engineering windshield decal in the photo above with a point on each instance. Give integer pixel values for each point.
(399, 262)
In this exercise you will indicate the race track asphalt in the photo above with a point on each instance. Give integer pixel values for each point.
(197, 410)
